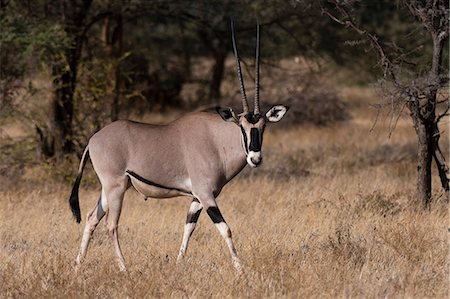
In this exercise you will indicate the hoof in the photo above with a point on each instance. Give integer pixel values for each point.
(180, 258)
(237, 265)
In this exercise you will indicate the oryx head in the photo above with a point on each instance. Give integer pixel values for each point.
(252, 124)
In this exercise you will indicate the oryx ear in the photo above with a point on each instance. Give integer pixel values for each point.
(227, 114)
(276, 113)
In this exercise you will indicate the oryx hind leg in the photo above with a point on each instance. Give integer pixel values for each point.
(191, 221)
(92, 220)
(216, 216)
(114, 194)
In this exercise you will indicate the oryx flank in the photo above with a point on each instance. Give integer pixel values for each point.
(195, 155)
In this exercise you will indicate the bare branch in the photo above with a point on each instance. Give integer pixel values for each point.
(418, 10)
(434, 16)
(443, 114)
(94, 20)
(347, 20)
(378, 108)
(440, 160)
(442, 168)
(393, 123)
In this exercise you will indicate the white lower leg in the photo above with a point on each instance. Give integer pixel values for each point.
(84, 243)
(191, 221)
(188, 229)
(92, 220)
(120, 259)
(226, 234)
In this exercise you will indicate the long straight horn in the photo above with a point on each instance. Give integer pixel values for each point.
(257, 71)
(239, 72)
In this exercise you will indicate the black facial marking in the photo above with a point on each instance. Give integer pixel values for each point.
(227, 113)
(262, 134)
(244, 135)
(100, 211)
(215, 215)
(252, 118)
(139, 178)
(255, 143)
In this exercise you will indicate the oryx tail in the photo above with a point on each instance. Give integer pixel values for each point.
(73, 201)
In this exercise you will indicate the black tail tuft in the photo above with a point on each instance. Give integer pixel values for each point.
(73, 201)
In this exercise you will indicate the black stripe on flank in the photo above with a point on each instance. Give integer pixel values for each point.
(145, 181)
(215, 215)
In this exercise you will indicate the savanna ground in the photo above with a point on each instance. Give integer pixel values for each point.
(330, 213)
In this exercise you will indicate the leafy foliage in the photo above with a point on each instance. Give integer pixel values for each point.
(25, 45)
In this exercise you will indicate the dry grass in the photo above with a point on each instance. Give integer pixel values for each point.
(328, 215)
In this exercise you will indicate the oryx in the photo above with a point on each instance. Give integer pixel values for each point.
(195, 155)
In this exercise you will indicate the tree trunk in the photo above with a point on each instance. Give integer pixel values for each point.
(424, 118)
(118, 51)
(187, 63)
(217, 76)
(424, 127)
(62, 108)
(64, 72)
(218, 50)
(424, 159)
(62, 111)
(112, 37)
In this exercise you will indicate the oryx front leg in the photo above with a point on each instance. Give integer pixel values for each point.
(191, 221)
(92, 220)
(216, 216)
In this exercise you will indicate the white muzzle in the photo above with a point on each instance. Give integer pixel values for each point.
(254, 159)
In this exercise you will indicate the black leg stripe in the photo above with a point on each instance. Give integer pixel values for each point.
(193, 217)
(215, 215)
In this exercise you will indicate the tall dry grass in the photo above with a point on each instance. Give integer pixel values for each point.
(329, 214)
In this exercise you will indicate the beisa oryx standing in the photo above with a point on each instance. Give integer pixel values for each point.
(195, 155)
